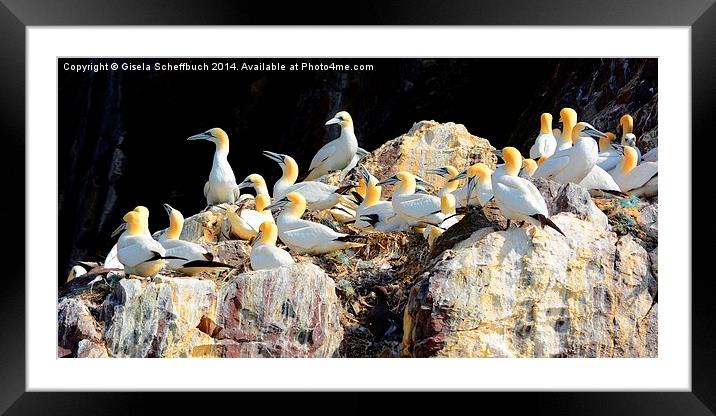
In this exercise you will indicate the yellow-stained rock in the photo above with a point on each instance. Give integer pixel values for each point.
(428, 145)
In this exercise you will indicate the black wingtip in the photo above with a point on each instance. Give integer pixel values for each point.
(548, 222)
(356, 195)
(616, 193)
(343, 189)
(351, 238)
(207, 263)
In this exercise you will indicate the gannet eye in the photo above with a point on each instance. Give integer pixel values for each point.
(340, 118)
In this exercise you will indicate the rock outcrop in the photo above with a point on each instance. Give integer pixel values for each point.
(531, 293)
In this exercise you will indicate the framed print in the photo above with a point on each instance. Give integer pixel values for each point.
(470, 188)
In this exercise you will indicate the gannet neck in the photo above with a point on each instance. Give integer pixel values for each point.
(135, 223)
(361, 188)
(447, 204)
(269, 233)
(569, 120)
(627, 123)
(530, 166)
(290, 171)
(546, 123)
(605, 142)
(481, 172)
(513, 161)
(372, 195)
(296, 207)
(628, 160)
(262, 201)
(347, 131)
(176, 223)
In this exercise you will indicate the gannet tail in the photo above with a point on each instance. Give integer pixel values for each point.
(548, 222)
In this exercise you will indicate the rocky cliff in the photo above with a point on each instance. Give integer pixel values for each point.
(480, 291)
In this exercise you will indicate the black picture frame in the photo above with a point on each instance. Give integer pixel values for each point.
(15, 15)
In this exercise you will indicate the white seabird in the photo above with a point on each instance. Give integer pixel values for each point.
(319, 195)
(609, 155)
(416, 209)
(545, 143)
(374, 212)
(191, 257)
(639, 180)
(221, 186)
(568, 117)
(338, 153)
(447, 172)
(303, 236)
(518, 198)
(111, 261)
(573, 164)
(478, 187)
(138, 252)
(245, 223)
(264, 253)
(360, 154)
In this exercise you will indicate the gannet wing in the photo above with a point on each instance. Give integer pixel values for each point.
(206, 189)
(552, 166)
(598, 178)
(323, 154)
(313, 191)
(189, 251)
(521, 196)
(422, 205)
(134, 254)
(311, 234)
(640, 175)
(651, 156)
(252, 218)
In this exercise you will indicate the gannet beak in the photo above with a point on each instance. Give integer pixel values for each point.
(421, 181)
(364, 173)
(592, 132)
(168, 208)
(276, 157)
(200, 136)
(278, 204)
(362, 153)
(245, 184)
(390, 181)
(438, 171)
(461, 175)
(560, 119)
(334, 120)
(119, 230)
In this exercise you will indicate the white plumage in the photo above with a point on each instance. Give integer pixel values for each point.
(221, 186)
(264, 253)
(337, 154)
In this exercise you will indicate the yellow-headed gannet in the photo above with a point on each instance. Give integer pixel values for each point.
(609, 155)
(374, 212)
(641, 180)
(518, 198)
(628, 138)
(568, 117)
(573, 164)
(245, 223)
(138, 252)
(194, 258)
(221, 186)
(257, 182)
(545, 143)
(111, 261)
(448, 172)
(75, 272)
(303, 236)
(318, 195)
(338, 153)
(478, 187)
(448, 208)
(416, 209)
(529, 167)
(264, 253)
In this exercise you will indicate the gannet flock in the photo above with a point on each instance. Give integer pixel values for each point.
(579, 154)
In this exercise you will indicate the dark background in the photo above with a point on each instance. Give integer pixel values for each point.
(122, 134)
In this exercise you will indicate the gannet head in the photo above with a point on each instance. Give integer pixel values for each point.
(513, 160)
(135, 222)
(216, 136)
(176, 222)
(545, 123)
(406, 179)
(583, 129)
(529, 166)
(294, 203)
(253, 180)
(567, 116)
(144, 211)
(629, 139)
(342, 118)
(628, 159)
(289, 167)
(606, 141)
(627, 123)
(444, 172)
(268, 233)
(262, 201)
(478, 170)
